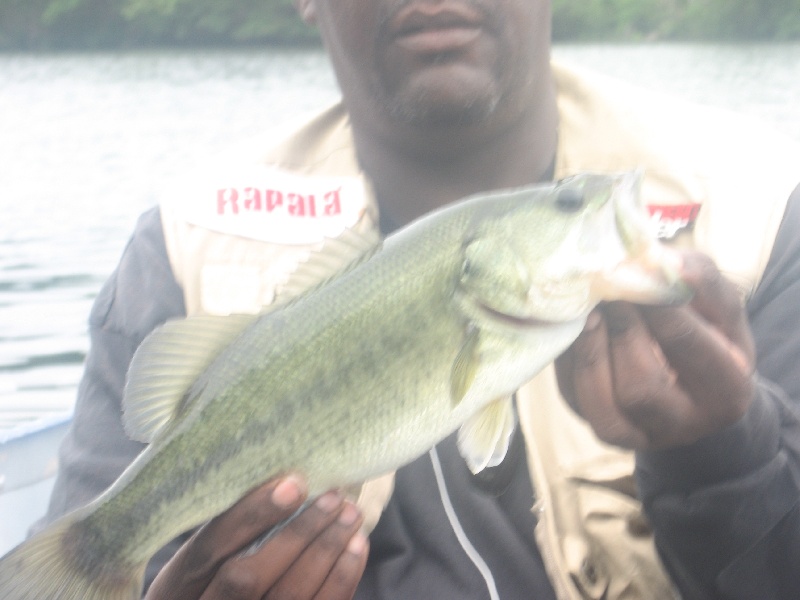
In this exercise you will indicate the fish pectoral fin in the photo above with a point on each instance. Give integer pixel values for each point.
(465, 366)
(483, 440)
(167, 363)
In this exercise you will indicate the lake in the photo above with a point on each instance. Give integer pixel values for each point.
(85, 137)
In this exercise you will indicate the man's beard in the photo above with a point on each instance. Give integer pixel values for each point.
(424, 106)
(421, 109)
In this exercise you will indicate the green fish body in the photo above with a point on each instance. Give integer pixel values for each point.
(433, 331)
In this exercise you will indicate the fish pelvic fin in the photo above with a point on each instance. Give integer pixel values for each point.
(484, 438)
(45, 567)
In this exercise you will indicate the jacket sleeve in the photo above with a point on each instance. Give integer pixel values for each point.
(726, 510)
(141, 294)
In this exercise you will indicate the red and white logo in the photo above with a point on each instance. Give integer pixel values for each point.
(671, 219)
(271, 204)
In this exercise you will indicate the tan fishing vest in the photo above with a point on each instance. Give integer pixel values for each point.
(234, 234)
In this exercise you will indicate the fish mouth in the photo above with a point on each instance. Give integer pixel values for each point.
(515, 321)
(428, 28)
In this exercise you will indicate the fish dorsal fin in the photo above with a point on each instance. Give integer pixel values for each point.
(484, 438)
(333, 258)
(167, 363)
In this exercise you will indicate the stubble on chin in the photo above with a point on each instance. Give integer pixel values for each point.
(426, 101)
(423, 108)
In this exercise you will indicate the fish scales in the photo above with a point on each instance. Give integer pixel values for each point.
(303, 381)
(358, 376)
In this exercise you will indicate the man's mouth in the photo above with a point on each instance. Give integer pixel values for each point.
(436, 28)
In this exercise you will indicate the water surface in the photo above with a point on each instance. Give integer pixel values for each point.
(85, 137)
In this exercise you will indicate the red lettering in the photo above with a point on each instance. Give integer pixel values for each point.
(274, 199)
(252, 199)
(301, 206)
(227, 197)
(655, 209)
(333, 203)
(672, 212)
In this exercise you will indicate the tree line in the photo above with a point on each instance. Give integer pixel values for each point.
(729, 20)
(84, 24)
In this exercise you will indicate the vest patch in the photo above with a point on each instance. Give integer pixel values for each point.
(670, 219)
(270, 204)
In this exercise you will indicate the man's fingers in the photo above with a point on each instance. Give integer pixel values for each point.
(251, 575)
(616, 378)
(708, 343)
(320, 553)
(194, 566)
(647, 377)
(343, 578)
(259, 511)
(714, 371)
(331, 560)
(585, 376)
(647, 389)
(718, 302)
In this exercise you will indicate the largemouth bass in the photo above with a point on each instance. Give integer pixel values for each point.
(433, 330)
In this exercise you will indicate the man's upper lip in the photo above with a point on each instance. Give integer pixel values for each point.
(420, 16)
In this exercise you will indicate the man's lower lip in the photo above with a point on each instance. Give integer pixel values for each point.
(437, 41)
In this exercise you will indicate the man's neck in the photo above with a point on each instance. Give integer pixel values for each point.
(411, 179)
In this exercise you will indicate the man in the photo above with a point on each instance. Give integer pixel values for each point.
(443, 99)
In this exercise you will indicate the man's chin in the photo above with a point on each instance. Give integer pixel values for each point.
(442, 115)
(440, 107)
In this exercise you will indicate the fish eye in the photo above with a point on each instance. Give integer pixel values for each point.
(570, 200)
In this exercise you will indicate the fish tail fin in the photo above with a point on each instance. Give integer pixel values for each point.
(46, 567)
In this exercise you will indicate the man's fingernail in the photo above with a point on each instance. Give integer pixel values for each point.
(357, 544)
(288, 492)
(593, 320)
(328, 502)
(349, 515)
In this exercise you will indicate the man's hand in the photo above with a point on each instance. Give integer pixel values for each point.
(320, 554)
(658, 377)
